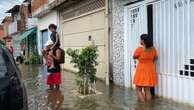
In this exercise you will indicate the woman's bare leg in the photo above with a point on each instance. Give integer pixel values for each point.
(57, 87)
(51, 87)
(148, 94)
(140, 94)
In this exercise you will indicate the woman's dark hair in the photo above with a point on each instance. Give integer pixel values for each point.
(147, 40)
(52, 26)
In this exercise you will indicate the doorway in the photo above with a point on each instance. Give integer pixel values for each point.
(138, 21)
(45, 37)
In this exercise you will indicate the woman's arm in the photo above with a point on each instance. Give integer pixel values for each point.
(44, 53)
(135, 57)
(58, 55)
(156, 58)
(137, 53)
(156, 54)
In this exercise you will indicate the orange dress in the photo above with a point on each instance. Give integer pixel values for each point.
(145, 75)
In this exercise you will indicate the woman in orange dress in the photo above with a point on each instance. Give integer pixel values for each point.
(145, 77)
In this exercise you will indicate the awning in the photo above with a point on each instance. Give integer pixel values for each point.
(26, 34)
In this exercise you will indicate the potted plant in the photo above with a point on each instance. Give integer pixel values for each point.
(86, 62)
(32, 59)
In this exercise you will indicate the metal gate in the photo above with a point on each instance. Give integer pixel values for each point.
(137, 25)
(173, 34)
(173, 37)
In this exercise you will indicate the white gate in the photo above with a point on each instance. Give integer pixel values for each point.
(136, 26)
(173, 37)
(173, 24)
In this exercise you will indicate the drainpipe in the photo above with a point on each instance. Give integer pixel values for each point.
(107, 39)
(108, 13)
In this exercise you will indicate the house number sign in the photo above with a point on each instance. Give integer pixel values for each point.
(181, 3)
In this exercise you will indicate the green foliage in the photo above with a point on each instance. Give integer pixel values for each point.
(86, 62)
(32, 59)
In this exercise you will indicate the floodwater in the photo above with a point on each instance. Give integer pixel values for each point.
(111, 97)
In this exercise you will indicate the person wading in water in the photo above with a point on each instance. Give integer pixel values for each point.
(56, 43)
(53, 56)
(145, 77)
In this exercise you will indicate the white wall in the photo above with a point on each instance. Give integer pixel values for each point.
(12, 28)
(16, 46)
(43, 23)
(75, 36)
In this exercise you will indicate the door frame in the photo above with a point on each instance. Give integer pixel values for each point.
(42, 41)
(127, 61)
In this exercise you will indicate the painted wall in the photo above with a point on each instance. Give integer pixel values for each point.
(76, 36)
(43, 23)
(1, 32)
(118, 40)
(16, 46)
(36, 4)
(7, 21)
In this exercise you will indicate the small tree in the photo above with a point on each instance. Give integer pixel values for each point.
(86, 63)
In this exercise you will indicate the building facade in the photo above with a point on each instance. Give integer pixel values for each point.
(1, 32)
(21, 30)
(170, 24)
(84, 23)
(45, 16)
(117, 40)
(6, 38)
(14, 29)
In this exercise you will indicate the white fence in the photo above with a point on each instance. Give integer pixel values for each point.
(174, 39)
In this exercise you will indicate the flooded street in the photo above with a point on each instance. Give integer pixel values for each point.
(112, 97)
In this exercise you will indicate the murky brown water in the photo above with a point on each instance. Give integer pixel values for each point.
(112, 97)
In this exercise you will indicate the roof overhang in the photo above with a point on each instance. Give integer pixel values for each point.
(61, 4)
(26, 33)
(41, 13)
(15, 8)
(7, 18)
(7, 37)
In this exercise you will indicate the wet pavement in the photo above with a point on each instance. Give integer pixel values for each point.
(112, 97)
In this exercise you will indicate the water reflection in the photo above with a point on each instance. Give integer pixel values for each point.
(112, 97)
(144, 106)
(88, 103)
(55, 99)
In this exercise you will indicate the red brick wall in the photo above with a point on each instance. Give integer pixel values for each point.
(36, 4)
(24, 14)
(7, 21)
(1, 32)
